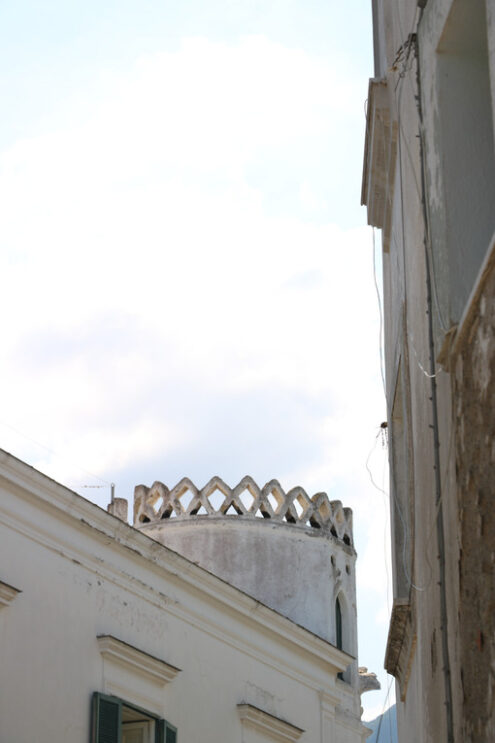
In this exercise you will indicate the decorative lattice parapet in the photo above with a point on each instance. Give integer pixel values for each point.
(246, 500)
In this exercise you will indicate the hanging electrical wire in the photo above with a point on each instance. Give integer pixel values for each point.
(56, 454)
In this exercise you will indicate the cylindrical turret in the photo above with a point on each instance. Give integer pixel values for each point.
(291, 552)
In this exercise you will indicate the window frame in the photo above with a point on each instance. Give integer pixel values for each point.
(339, 630)
(164, 731)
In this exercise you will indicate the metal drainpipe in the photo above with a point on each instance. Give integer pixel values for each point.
(435, 426)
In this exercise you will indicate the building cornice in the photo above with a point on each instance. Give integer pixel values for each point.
(135, 660)
(401, 644)
(7, 594)
(268, 724)
(380, 152)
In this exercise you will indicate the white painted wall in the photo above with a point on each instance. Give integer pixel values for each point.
(295, 570)
(83, 573)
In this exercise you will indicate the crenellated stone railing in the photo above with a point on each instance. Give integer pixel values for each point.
(246, 500)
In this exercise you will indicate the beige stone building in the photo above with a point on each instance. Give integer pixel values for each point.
(429, 185)
(222, 615)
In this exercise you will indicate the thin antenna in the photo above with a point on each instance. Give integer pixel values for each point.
(99, 487)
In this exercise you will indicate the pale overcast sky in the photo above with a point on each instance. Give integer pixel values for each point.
(186, 272)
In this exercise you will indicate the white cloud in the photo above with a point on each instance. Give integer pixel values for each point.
(309, 199)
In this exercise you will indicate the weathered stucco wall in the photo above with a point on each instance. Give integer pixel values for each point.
(82, 573)
(297, 573)
(474, 406)
(440, 202)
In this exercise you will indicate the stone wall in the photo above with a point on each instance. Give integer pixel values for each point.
(474, 405)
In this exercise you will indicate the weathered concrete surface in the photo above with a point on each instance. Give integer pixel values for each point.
(441, 205)
(118, 507)
(367, 680)
(474, 406)
(296, 573)
(291, 552)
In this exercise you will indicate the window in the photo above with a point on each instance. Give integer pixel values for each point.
(338, 624)
(338, 631)
(115, 721)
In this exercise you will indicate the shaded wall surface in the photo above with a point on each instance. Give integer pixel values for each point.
(429, 185)
(474, 406)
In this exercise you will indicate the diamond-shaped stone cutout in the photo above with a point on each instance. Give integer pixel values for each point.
(301, 507)
(168, 511)
(185, 499)
(323, 506)
(273, 502)
(339, 516)
(273, 492)
(297, 506)
(246, 498)
(158, 491)
(216, 499)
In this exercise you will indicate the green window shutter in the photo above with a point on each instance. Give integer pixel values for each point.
(170, 734)
(165, 733)
(106, 726)
(160, 731)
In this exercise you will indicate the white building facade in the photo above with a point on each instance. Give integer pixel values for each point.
(109, 636)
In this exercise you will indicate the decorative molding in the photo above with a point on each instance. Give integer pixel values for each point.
(345, 718)
(401, 644)
(136, 660)
(380, 152)
(246, 500)
(7, 593)
(135, 676)
(329, 701)
(268, 724)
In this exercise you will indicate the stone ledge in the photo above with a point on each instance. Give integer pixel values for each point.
(380, 152)
(401, 644)
(268, 724)
(136, 660)
(7, 593)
